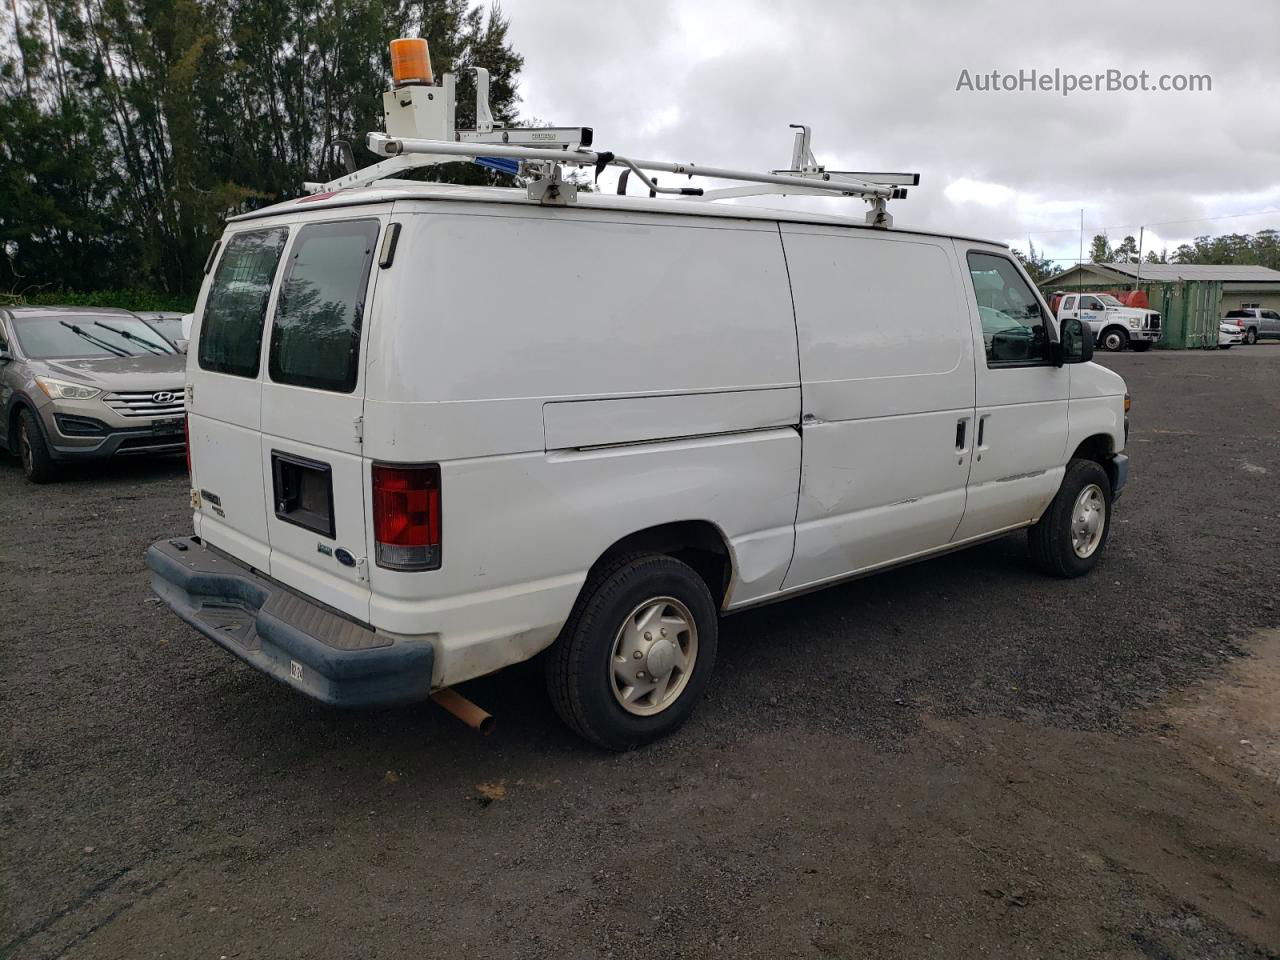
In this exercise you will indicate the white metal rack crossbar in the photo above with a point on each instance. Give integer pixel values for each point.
(421, 133)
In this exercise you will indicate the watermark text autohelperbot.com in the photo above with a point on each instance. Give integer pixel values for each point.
(1065, 83)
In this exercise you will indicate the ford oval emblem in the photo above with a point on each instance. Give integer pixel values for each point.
(344, 557)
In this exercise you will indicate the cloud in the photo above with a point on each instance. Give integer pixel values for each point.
(718, 81)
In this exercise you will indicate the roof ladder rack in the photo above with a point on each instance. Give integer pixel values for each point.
(421, 132)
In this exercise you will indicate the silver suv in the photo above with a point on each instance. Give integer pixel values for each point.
(80, 383)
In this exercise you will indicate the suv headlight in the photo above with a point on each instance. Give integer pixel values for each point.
(62, 390)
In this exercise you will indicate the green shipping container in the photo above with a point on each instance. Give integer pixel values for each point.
(1188, 312)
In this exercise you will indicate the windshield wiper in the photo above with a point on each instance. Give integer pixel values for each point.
(96, 341)
(149, 344)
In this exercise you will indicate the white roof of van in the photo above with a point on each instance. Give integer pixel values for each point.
(388, 191)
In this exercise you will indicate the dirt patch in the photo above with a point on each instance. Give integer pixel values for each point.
(1236, 721)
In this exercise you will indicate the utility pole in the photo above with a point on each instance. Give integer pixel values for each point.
(1137, 275)
(1080, 262)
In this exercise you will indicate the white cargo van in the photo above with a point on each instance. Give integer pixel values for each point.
(435, 431)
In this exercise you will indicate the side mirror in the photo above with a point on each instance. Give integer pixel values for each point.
(5, 355)
(1076, 341)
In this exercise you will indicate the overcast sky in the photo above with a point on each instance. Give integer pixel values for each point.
(718, 81)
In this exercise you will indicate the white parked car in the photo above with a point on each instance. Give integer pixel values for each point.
(1230, 333)
(439, 430)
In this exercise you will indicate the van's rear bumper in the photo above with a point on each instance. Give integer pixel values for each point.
(315, 651)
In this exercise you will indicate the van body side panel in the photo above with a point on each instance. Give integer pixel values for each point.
(887, 363)
(592, 423)
(647, 306)
(521, 532)
(646, 388)
(1096, 406)
(1024, 450)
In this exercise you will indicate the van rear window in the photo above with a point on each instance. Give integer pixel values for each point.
(315, 340)
(231, 332)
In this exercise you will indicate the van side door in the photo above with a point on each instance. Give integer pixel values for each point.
(1021, 435)
(887, 375)
(313, 469)
(224, 386)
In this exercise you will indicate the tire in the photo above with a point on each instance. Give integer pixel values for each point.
(1251, 336)
(584, 665)
(1141, 346)
(1114, 340)
(1054, 549)
(37, 465)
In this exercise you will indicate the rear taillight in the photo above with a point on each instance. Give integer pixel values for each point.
(406, 516)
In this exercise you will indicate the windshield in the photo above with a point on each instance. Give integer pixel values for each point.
(1109, 300)
(169, 327)
(81, 335)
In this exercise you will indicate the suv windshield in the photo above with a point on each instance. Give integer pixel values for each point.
(168, 327)
(1109, 300)
(87, 335)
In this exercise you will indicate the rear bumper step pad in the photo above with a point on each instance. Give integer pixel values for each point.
(285, 635)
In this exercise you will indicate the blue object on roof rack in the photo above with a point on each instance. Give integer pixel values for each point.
(500, 164)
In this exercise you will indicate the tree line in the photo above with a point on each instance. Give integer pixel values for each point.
(131, 129)
(1261, 248)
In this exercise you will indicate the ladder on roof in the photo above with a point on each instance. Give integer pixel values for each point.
(421, 132)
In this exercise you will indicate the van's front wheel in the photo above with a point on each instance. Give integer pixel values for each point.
(1069, 538)
(635, 656)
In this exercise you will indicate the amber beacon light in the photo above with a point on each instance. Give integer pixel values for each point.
(410, 61)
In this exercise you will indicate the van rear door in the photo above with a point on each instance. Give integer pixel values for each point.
(224, 405)
(313, 472)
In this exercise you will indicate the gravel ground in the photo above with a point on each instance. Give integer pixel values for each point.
(960, 758)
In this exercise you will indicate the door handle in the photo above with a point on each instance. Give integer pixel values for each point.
(982, 429)
(962, 427)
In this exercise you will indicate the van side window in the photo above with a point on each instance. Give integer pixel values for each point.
(231, 334)
(315, 340)
(1013, 325)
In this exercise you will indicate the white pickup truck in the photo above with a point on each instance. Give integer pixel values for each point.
(1114, 325)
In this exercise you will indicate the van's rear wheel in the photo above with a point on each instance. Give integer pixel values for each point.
(636, 654)
(1069, 538)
